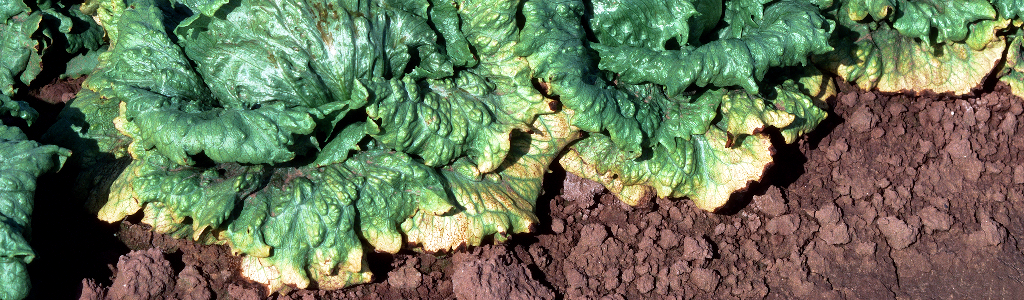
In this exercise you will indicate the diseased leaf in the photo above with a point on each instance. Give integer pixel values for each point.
(226, 106)
(649, 127)
(859, 10)
(705, 166)
(1013, 72)
(307, 215)
(888, 61)
(502, 202)
(702, 169)
(807, 111)
(914, 46)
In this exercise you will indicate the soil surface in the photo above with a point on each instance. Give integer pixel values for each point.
(894, 196)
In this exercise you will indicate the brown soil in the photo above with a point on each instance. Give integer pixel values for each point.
(58, 90)
(203, 271)
(892, 197)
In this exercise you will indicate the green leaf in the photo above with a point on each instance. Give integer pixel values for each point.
(175, 113)
(445, 17)
(741, 14)
(100, 151)
(556, 51)
(727, 62)
(338, 150)
(20, 60)
(69, 27)
(445, 121)
(14, 274)
(18, 109)
(1009, 9)
(26, 36)
(21, 162)
(642, 23)
(950, 20)
(82, 64)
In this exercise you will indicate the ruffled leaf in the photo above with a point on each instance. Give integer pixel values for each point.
(21, 60)
(888, 61)
(21, 162)
(702, 169)
(501, 203)
(738, 61)
(642, 23)
(706, 165)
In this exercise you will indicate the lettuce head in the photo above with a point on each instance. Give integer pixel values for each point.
(304, 133)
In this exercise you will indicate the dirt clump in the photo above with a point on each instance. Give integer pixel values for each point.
(146, 274)
(491, 272)
(58, 90)
(162, 267)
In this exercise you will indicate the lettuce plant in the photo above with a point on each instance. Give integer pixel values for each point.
(295, 131)
(303, 133)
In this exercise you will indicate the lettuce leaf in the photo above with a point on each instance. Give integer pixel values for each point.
(1012, 72)
(914, 46)
(708, 166)
(20, 62)
(650, 133)
(34, 30)
(21, 162)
